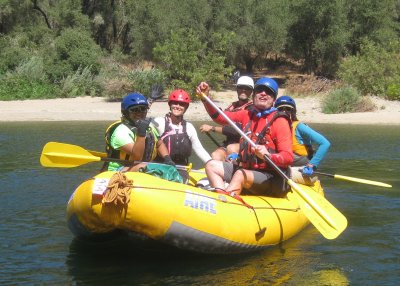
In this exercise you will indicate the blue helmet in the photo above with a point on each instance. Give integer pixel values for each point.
(269, 83)
(133, 99)
(285, 100)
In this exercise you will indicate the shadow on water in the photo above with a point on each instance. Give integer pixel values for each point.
(120, 262)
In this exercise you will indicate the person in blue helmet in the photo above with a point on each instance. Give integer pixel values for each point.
(304, 138)
(269, 130)
(134, 138)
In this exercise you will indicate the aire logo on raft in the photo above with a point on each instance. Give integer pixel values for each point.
(200, 203)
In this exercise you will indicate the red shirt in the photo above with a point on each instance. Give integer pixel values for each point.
(279, 137)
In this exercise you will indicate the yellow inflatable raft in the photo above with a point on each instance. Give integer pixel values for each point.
(185, 216)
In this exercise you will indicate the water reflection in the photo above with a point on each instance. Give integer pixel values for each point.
(121, 263)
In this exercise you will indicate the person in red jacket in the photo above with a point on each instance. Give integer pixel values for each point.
(271, 133)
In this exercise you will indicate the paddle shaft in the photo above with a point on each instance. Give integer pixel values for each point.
(272, 164)
(130, 163)
(213, 139)
(357, 180)
(126, 162)
(324, 174)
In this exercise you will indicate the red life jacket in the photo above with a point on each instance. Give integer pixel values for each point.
(260, 136)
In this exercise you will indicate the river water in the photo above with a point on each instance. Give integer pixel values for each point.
(36, 247)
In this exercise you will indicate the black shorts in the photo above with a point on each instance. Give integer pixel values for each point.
(267, 183)
(300, 160)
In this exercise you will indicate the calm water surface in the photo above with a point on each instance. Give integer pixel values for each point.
(36, 246)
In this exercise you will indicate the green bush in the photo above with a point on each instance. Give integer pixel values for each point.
(14, 87)
(32, 69)
(374, 70)
(393, 91)
(82, 82)
(73, 50)
(12, 53)
(142, 81)
(346, 99)
(27, 81)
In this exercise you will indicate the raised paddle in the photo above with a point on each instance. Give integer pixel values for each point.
(321, 213)
(62, 155)
(357, 180)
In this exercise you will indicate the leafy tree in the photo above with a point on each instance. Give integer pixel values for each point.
(377, 21)
(73, 49)
(186, 60)
(257, 28)
(318, 34)
(151, 22)
(376, 70)
(110, 23)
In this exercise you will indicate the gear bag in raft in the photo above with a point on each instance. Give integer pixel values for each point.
(166, 172)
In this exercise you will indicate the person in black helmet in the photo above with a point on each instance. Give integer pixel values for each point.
(134, 138)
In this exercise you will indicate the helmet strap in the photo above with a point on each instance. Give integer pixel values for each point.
(127, 121)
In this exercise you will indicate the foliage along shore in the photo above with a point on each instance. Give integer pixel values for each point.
(97, 109)
(62, 49)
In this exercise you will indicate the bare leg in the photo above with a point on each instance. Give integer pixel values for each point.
(241, 179)
(219, 154)
(233, 148)
(215, 173)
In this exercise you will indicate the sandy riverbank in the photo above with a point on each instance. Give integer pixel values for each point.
(97, 109)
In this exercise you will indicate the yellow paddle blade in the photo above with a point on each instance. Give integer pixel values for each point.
(322, 214)
(61, 155)
(98, 154)
(363, 181)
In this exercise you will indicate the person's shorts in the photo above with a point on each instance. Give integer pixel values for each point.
(265, 183)
(300, 160)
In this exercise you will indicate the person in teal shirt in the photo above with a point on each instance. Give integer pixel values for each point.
(304, 138)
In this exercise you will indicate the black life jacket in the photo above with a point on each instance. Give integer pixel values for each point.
(232, 136)
(119, 154)
(177, 141)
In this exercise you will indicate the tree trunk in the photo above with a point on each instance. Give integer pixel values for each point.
(36, 7)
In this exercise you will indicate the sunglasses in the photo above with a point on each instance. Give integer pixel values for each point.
(261, 89)
(244, 87)
(137, 109)
(184, 104)
(285, 108)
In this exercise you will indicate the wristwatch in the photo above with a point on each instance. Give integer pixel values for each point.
(213, 129)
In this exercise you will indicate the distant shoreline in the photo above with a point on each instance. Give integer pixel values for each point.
(98, 109)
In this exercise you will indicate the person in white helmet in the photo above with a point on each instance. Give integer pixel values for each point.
(244, 89)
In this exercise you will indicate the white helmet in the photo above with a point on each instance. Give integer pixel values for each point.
(246, 81)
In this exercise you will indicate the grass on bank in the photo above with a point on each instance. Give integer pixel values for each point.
(346, 99)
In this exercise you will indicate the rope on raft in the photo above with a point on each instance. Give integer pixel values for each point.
(118, 190)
